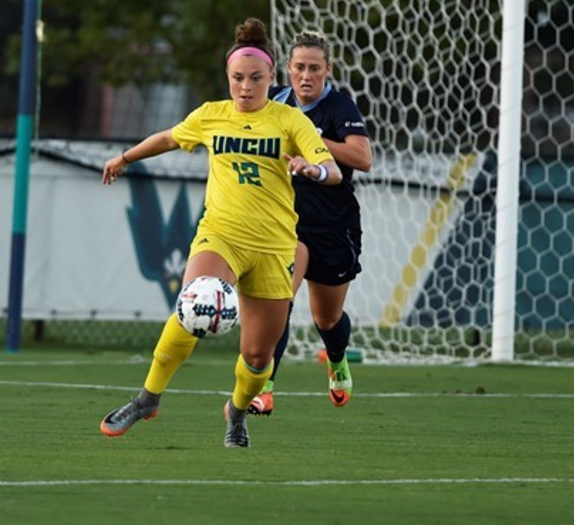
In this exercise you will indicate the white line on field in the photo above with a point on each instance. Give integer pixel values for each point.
(135, 360)
(43, 384)
(109, 387)
(139, 359)
(305, 483)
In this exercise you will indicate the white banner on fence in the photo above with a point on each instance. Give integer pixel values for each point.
(118, 252)
(95, 251)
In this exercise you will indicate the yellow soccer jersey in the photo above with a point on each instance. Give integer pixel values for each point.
(249, 199)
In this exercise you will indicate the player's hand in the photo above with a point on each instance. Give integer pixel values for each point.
(299, 166)
(112, 170)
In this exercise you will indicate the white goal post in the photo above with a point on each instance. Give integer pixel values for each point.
(468, 212)
(512, 64)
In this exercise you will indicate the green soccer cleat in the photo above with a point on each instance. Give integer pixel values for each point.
(119, 421)
(340, 382)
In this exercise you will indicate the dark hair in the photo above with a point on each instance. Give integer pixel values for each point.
(252, 33)
(311, 39)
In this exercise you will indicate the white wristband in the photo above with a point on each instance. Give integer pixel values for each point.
(323, 173)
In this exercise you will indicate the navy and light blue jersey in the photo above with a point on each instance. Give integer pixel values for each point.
(335, 116)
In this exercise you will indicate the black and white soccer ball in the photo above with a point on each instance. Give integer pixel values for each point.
(207, 305)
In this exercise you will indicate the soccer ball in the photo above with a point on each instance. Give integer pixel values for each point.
(207, 305)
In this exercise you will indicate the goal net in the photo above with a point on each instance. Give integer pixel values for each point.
(426, 76)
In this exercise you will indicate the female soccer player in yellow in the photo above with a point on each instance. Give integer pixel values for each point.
(247, 235)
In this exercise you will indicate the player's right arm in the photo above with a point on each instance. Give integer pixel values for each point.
(153, 145)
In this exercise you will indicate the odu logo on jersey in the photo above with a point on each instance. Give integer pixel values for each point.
(264, 147)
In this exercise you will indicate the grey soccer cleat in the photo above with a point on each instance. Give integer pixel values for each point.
(121, 420)
(236, 433)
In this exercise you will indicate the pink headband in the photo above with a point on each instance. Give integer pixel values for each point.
(253, 51)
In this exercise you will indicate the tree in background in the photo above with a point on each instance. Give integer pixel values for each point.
(180, 41)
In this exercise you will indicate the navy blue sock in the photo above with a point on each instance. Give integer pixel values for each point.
(337, 339)
(282, 344)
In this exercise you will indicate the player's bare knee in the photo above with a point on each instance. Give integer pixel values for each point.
(257, 362)
(325, 323)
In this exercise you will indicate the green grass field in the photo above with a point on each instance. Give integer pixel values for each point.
(416, 445)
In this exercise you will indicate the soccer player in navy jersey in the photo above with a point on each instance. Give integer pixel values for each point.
(329, 227)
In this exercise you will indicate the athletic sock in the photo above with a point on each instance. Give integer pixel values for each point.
(281, 345)
(233, 413)
(173, 348)
(248, 383)
(337, 338)
(147, 399)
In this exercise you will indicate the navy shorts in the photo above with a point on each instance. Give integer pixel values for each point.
(333, 255)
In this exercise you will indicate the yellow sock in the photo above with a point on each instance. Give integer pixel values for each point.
(173, 348)
(248, 383)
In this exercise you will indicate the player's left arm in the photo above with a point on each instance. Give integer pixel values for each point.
(325, 172)
(313, 159)
(354, 151)
(350, 144)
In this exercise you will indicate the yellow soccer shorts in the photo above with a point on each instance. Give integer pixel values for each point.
(261, 275)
